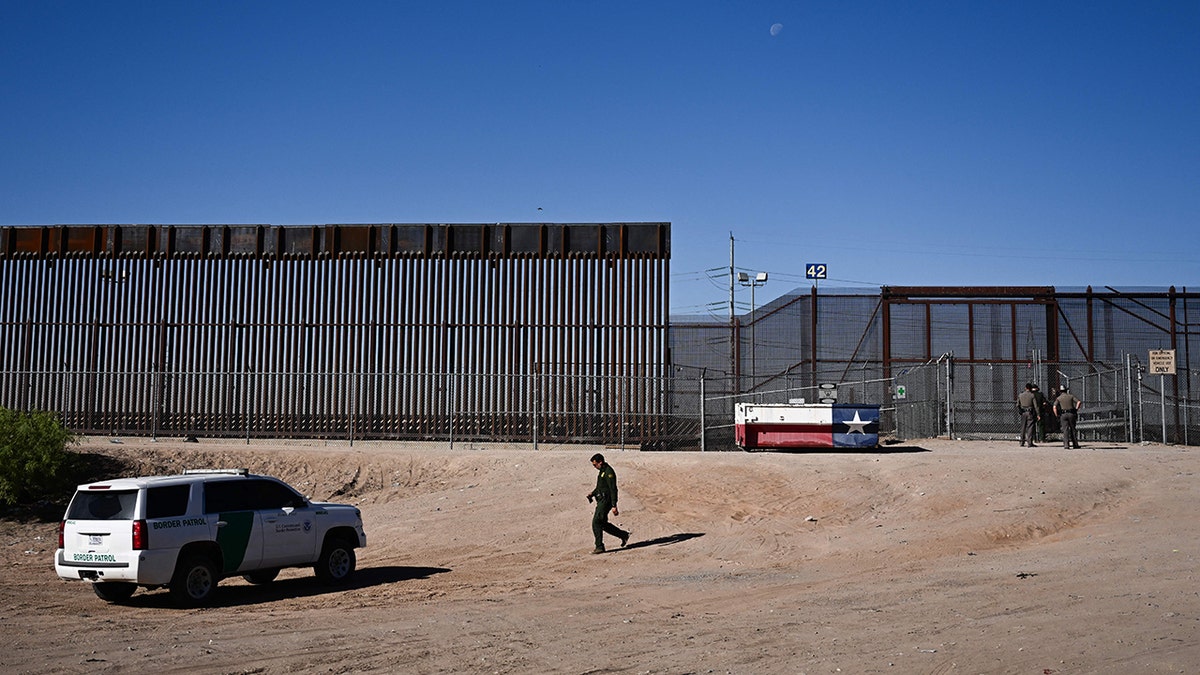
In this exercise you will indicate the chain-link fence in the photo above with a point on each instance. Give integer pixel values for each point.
(982, 403)
(684, 411)
(922, 400)
(976, 401)
(946, 361)
(947, 398)
(645, 412)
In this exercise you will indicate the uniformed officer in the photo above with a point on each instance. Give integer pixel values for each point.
(1049, 417)
(605, 496)
(1030, 415)
(1042, 407)
(1066, 406)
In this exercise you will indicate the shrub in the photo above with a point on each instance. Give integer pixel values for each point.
(34, 462)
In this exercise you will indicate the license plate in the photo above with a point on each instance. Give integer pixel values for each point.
(95, 539)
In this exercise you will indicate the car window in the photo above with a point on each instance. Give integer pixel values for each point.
(222, 496)
(167, 501)
(106, 505)
(271, 494)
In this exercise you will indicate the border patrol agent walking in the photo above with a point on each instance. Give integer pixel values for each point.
(605, 496)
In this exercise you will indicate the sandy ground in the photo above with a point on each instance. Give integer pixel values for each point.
(931, 557)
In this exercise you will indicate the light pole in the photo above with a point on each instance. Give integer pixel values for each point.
(760, 279)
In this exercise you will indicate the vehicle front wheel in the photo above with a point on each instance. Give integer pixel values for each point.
(114, 591)
(195, 581)
(336, 562)
(261, 576)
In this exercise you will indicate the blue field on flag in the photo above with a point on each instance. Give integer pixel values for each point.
(855, 426)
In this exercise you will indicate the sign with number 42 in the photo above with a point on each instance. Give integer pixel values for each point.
(816, 270)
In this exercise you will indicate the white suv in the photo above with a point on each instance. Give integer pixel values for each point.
(187, 532)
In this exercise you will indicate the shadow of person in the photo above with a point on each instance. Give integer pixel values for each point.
(661, 541)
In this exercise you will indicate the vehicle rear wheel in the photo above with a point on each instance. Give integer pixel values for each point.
(195, 581)
(261, 576)
(114, 591)
(336, 562)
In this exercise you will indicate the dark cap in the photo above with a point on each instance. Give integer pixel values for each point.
(597, 457)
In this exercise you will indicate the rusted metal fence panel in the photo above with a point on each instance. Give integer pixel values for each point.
(383, 331)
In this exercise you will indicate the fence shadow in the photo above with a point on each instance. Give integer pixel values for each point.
(881, 450)
(897, 449)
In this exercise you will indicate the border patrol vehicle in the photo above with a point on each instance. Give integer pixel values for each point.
(189, 531)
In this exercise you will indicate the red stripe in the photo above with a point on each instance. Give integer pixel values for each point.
(785, 435)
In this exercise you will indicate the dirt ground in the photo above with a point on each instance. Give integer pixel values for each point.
(932, 557)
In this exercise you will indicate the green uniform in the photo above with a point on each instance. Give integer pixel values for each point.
(605, 495)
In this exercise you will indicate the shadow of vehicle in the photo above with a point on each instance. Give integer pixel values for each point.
(229, 595)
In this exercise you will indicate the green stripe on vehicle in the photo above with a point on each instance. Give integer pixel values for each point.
(235, 537)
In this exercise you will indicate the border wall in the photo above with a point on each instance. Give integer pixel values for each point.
(529, 332)
(406, 331)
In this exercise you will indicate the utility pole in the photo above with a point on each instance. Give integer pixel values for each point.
(734, 371)
(732, 277)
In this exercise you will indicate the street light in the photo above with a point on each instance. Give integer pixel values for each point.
(760, 279)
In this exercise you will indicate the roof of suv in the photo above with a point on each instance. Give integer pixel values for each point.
(188, 476)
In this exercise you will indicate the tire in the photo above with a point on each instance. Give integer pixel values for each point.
(261, 576)
(195, 582)
(336, 563)
(114, 591)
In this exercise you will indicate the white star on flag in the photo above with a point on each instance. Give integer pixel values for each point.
(857, 424)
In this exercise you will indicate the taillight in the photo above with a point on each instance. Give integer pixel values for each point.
(141, 536)
(62, 525)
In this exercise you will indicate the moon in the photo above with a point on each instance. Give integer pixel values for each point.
(776, 29)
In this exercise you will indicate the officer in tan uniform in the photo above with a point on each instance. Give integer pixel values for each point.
(1030, 415)
(1043, 411)
(1066, 406)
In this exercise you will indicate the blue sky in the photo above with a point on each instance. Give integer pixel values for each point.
(901, 143)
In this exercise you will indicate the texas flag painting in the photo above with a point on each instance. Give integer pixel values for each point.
(811, 425)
